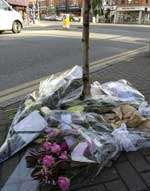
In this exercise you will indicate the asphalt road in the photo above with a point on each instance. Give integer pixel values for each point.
(40, 51)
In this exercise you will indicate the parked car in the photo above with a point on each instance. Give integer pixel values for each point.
(76, 19)
(59, 18)
(9, 18)
(53, 18)
(49, 18)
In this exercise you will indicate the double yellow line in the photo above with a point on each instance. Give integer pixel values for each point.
(23, 89)
(99, 64)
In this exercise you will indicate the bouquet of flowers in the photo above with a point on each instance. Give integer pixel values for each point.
(50, 160)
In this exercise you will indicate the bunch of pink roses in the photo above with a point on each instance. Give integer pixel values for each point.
(50, 160)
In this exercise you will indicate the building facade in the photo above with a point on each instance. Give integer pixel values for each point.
(60, 6)
(69, 6)
(133, 11)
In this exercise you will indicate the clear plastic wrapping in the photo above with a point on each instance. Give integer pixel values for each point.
(29, 113)
(123, 91)
(90, 136)
(87, 134)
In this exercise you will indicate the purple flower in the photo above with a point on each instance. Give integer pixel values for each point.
(48, 161)
(64, 146)
(55, 148)
(63, 183)
(46, 145)
(63, 156)
(48, 130)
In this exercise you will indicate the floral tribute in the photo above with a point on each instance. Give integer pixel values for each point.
(51, 160)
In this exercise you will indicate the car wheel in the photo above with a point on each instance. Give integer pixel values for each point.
(16, 28)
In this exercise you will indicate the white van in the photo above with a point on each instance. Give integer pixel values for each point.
(9, 18)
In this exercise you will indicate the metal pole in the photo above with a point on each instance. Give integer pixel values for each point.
(66, 6)
(33, 12)
(148, 47)
(115, 16)
(38, 9)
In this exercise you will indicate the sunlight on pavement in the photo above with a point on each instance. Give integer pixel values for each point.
(71, 34)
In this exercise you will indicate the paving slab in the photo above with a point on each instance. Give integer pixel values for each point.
(130, 177)
(116, 185)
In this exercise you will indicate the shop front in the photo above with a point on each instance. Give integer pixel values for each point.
(133, 15)
(73, 9)
(109, 13)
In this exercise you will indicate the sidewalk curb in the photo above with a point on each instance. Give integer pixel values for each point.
(121, 25)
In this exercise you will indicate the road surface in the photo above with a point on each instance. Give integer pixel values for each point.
(40, 51)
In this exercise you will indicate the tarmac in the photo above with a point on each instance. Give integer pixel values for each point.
(130, 171)
(44, 23)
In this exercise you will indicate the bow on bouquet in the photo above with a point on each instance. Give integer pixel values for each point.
(50, 160)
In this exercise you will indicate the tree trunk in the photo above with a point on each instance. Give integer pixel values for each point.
(85, 47)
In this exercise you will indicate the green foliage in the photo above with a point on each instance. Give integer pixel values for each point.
(96, 7)
(51, 10)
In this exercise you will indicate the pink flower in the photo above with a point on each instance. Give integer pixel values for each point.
(63, 183)
(47, 146)
(63, 156)
(64, 146)
(48, 161)
(55, 148)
